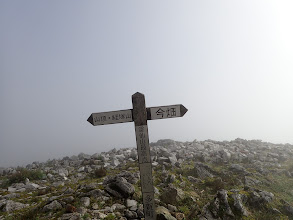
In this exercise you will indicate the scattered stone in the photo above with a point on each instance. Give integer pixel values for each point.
(172, 208)
(100, 215)
(248, 181)
(69, 199)
(202, 170)
(172, 195)
(118, 206)
(194, 180)
(10, 206)
(119, 187)
(53, 206)
(238, 169)
(60, 189)
(85, 201)
(259, 198)
(164, 214)
(71, 216)
(131, 204)
(130, 214)
(220, 206)
(179, 216)
(95, 206)
(287, 207)
(70, 208)
(238, 203)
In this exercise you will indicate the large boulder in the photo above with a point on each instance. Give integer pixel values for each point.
(236, 168)
(220, 206)
(130, 177)
(62, 172)
(172, 195)
(260, 198)
(238, 200)
(10, 206)
(287, 207)
(248, 181)
(119, 187)
(206, 213)
(202, 171)
(53, 206)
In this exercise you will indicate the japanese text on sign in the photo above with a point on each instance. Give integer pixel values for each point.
(112, 117)
(148, 201)
(165, 112)
(142, 143)
(146, 177)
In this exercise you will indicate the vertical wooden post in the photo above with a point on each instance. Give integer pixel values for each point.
(144, 158)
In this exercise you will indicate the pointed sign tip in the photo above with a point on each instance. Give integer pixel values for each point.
(183, 110)
(91, 119)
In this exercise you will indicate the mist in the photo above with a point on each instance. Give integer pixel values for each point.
(229, 63)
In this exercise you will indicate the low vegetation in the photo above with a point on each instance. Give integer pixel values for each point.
(21, 175)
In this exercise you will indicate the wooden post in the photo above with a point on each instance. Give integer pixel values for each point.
(140, 114)
(144, 158)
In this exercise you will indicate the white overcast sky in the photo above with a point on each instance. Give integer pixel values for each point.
(229, 62)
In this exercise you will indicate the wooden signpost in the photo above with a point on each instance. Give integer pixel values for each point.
(140, 114)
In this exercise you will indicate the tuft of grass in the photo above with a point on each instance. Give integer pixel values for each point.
(100, 172)
(110, 217)
(86, 215)
(214, 184)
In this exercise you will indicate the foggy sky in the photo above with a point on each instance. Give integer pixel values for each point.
(228, 62)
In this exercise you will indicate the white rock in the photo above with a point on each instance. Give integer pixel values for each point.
(81, 169)
(85, 201)
(11, 189)
(55, 205)
(11, 206)
(131, 203)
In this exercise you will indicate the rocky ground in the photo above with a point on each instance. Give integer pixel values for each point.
(202, 180)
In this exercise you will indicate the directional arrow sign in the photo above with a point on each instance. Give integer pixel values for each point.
(159, 112)
(139, 115)
(169, 111)
(104, 118)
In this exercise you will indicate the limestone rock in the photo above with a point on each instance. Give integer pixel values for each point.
(164, 214)
(71, 216)
(130, 177)
(238, 203)
(248, 181)
(259, 198)
(11, 206)
(119, 187)
(172, 195)
(53, 206)
(130, 214)
(206, 214)
(131, 204)
(203, 171)
(238, 169)
(85, 201)
(287, 207)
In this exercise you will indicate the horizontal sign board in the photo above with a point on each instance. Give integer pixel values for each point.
(104, 118)
(160, 112)
(168, 111)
